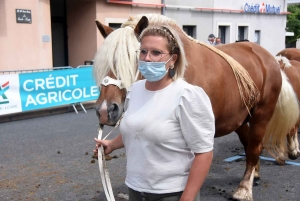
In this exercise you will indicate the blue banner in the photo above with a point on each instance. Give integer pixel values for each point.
(58, 87)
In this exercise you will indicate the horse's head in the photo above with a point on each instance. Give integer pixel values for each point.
(109, 105)
(115, 69)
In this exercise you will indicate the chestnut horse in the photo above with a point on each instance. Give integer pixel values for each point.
(292, 70)
(243, 80)
(290, 53)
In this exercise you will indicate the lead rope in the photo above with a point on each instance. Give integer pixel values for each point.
(103, 166)
(102, 162)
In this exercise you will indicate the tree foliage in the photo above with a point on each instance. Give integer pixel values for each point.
(293, 23)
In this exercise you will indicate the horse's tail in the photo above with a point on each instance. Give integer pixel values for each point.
(285, 116)
(283, 62)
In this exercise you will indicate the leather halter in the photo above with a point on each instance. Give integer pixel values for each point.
(108, 80)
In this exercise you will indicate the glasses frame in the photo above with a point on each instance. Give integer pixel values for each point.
(151, 55)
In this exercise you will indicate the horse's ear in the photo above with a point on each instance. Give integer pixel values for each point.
(141, 25)
(104, 30)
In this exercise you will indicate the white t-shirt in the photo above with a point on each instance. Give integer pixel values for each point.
(161, 130)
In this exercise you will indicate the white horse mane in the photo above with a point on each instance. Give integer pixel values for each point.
(118, 49)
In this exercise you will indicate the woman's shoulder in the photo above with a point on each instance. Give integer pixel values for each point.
(187, 87)
(195, 101)
(192, 92)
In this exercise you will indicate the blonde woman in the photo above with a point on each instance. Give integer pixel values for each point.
(168, 127)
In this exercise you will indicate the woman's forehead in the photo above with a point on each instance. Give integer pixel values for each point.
(154, 41)
(154, 37)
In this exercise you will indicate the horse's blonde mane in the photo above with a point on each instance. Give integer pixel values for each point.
(118, 49)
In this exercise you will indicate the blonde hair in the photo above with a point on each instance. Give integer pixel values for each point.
(175, 46)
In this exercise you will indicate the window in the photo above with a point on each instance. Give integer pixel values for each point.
(224, 34)
(189, 30)
(257, 37)
(114, 25)
(242, 33)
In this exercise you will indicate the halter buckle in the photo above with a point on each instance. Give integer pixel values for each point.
(108, 80)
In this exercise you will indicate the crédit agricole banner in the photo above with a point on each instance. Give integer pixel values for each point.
(38, 90)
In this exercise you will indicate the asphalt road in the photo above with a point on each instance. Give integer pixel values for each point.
(50, 158)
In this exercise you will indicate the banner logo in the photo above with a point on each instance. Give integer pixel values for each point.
(4, 87)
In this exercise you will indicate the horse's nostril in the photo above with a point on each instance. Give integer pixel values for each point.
(113, 110)
(112, 107)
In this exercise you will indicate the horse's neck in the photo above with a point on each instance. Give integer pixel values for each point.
(192, 48)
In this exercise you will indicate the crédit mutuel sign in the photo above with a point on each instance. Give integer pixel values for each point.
(261, 8)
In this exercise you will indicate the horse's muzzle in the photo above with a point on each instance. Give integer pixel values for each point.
(108, 114)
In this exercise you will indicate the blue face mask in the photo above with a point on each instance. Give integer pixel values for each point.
(153, 71)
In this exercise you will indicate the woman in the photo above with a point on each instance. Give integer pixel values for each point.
(168, 126)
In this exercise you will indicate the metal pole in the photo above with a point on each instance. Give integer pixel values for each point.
(163, 8)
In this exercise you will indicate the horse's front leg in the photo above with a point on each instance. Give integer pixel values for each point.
(253, 150)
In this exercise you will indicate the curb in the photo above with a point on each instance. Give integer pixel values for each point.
(45, 112)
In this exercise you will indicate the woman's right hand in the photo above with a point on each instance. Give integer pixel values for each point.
(109, 145)
(106, 145)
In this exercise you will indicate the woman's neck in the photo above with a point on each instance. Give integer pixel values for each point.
(155, 86)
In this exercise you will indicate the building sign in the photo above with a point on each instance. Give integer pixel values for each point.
(23, 16)
(45, 38)
(261, 8)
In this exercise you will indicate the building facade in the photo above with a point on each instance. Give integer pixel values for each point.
(232, 20)
(41, 34)
(37, 34)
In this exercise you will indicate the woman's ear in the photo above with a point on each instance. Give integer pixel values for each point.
(174, 58)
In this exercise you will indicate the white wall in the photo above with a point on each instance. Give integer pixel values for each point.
(298, 43)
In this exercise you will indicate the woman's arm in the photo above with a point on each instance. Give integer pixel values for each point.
(109, 145)
(199, 170)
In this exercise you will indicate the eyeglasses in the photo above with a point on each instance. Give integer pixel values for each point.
(155, 55)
